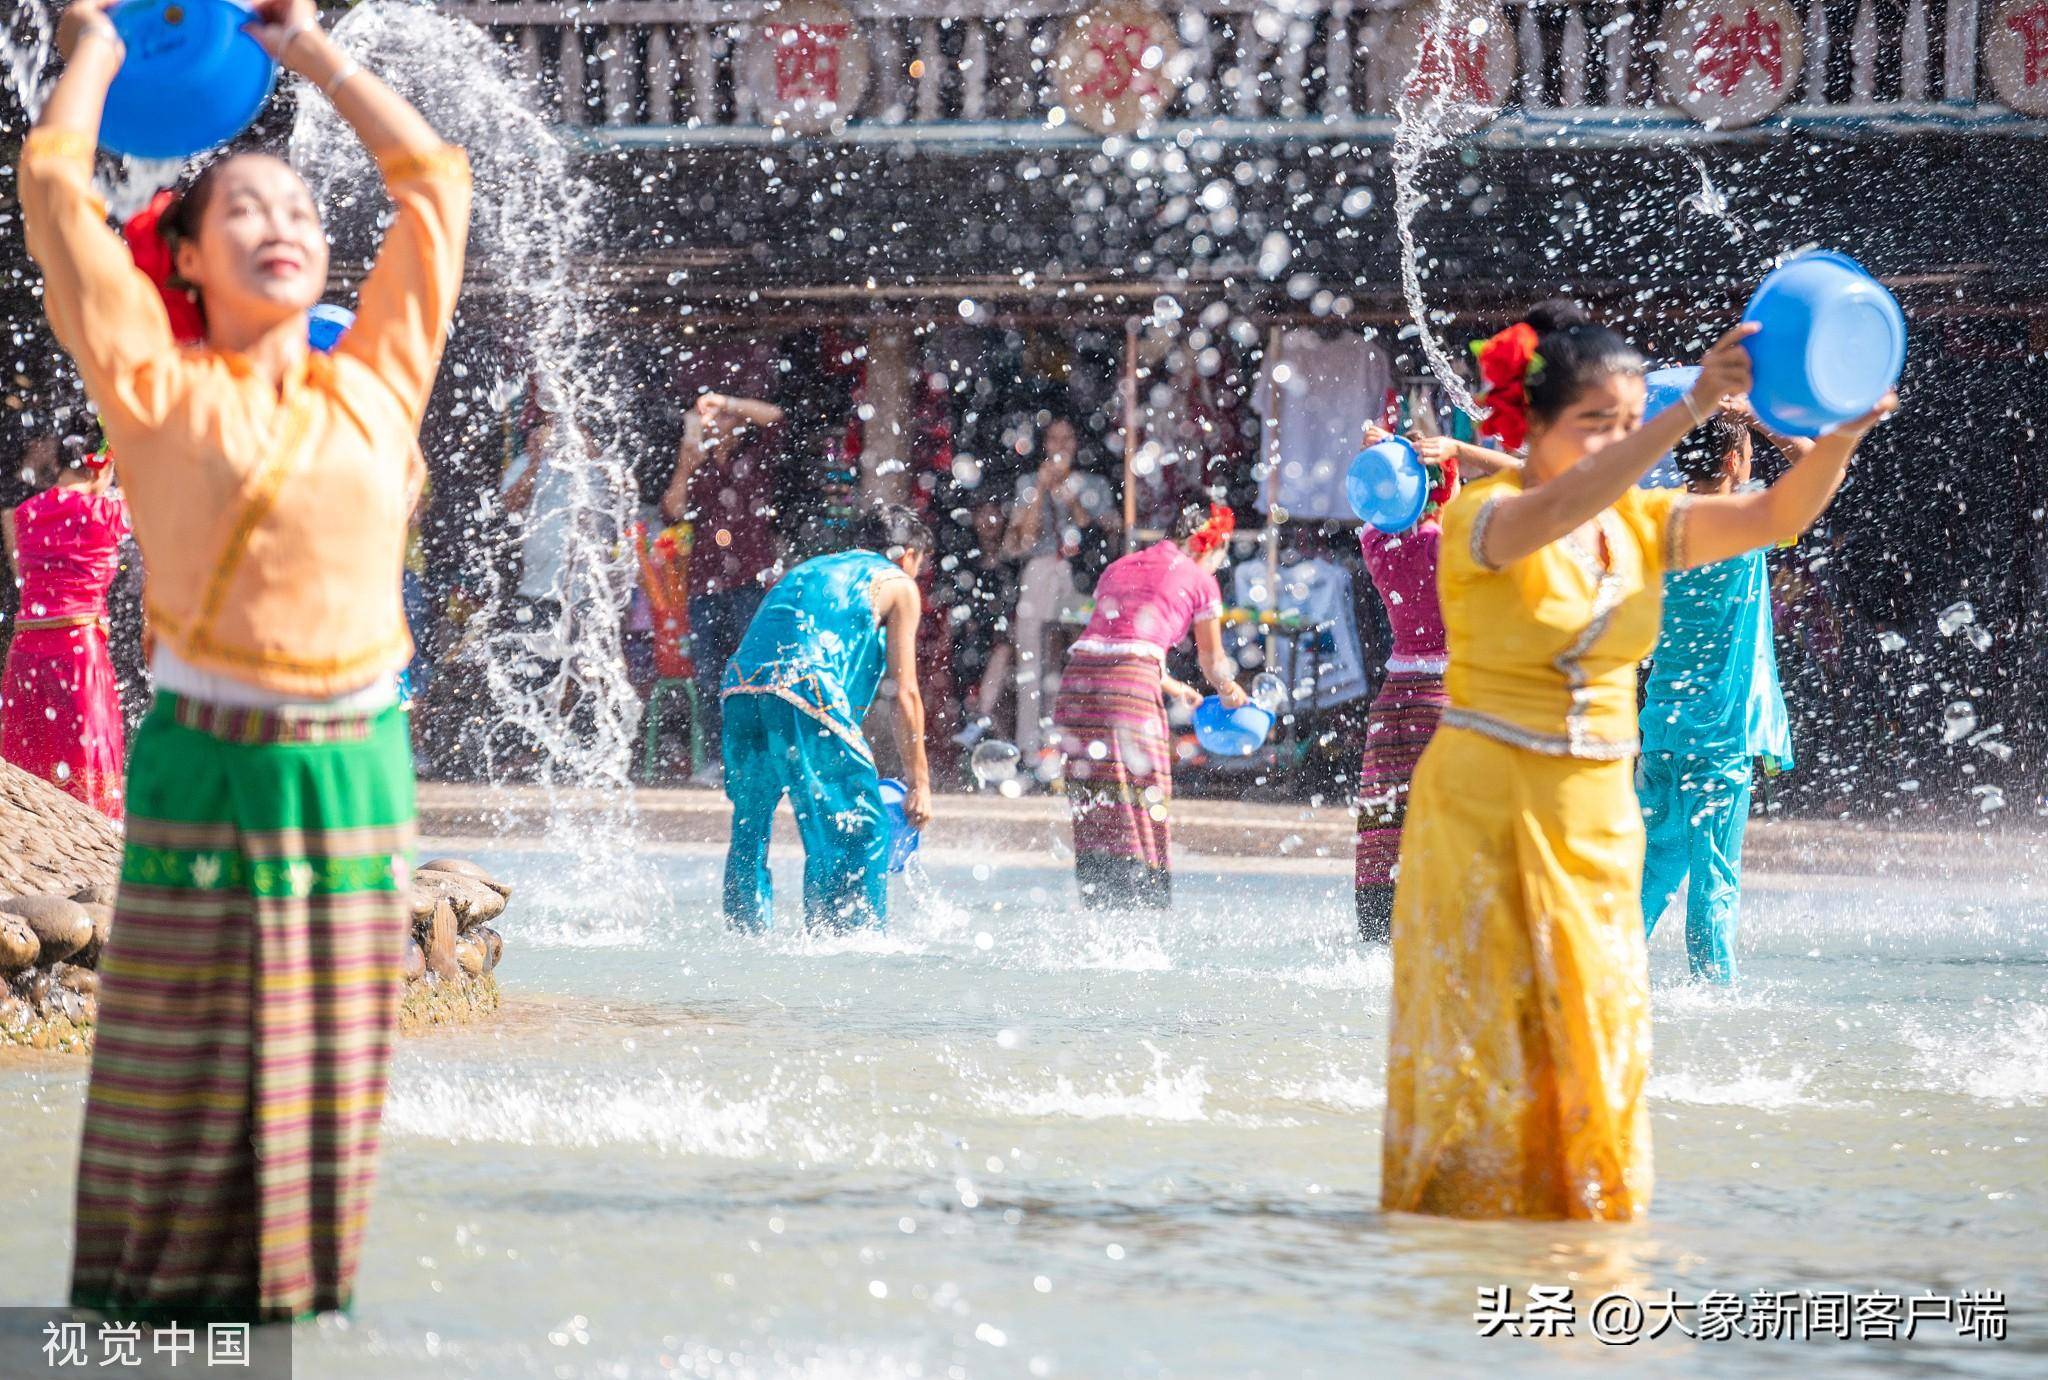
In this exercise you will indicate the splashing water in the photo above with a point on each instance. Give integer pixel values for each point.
(1428, 116)
(561, 681)
(1710, 200)
(27, 42)
(994, 762)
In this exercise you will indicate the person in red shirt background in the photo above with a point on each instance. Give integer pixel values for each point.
(723, 486)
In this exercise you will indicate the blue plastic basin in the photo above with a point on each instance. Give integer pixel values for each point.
(1238, 732)
(325, 325)
(1663, 389)
(1388, 485)
(902, 838)
(192, 80)
(1832, 344)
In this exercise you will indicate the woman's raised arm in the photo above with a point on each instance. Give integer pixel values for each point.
(1524, 523)
(105, 312)
(289, 30)
(407, 299)
(1723, 525)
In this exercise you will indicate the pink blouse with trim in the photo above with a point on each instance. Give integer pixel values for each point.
(1149, 599)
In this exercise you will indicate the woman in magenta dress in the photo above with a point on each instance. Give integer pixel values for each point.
(1111, 712)
(60, 704)
(1411, 699)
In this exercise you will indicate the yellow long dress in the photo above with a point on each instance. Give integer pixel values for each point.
(1520, 1035)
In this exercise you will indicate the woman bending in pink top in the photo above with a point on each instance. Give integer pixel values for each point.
(1111, 712)
(60, 702)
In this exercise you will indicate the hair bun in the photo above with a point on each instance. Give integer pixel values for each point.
(1556, 314)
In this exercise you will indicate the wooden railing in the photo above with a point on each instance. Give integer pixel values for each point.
(674, 63)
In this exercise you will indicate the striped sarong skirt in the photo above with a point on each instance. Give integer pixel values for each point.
(248, 999)
(1399, 726)
(1111, 721)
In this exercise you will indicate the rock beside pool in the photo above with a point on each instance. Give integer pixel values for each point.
(50, 844)
(452, 954)
(51, 943)
(60, 925)
(52, 849)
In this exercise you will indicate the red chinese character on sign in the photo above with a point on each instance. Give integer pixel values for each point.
(1726, 52)
(1116, 52)
(2032, 27)
(1453, 63)
(807, 61)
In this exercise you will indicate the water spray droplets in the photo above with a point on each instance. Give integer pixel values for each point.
(995, 764)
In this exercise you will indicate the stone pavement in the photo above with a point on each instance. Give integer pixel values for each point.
(1238, 834)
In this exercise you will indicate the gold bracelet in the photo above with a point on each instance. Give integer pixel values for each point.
(333, 84)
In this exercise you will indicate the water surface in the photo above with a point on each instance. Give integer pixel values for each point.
(1014, 1138)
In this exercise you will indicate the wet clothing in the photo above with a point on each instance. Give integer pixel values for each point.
(1712, 706)
(249, 994)
(794, 695)
(1111, 720)
(1146, 602)
(1111, 717)
(1695, 811)
(60, 699)
(248, 1000)
(1403, 570)
(1520, 1031)
(1398, 728)
(1404, 712)
(772, 749)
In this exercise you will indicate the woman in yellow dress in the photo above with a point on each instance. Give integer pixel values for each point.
(1520, 1037)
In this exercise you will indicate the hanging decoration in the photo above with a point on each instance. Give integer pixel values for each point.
(1115, 66)
(805, 64)
(1730, 63)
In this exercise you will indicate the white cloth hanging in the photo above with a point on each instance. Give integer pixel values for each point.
(1314, 396)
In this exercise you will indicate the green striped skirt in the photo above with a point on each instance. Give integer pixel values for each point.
(248, 999)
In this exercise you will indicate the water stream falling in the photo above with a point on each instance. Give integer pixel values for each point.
(27, 43)
(560, 682)
(1711, 201)
(558, 678)
(1428, 115)
(27, 46)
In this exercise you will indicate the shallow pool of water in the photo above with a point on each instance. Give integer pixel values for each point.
(1014, 1138)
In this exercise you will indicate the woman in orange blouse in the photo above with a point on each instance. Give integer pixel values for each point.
(249, 991)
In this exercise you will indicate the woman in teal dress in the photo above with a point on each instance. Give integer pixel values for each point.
(794, 695)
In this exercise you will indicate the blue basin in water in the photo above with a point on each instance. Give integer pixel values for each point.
(902, 838)
(1238, 732)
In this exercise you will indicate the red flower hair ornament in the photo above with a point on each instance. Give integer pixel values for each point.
(1507, 362)
(1213, 533)
(152, 254)
(1446, 483)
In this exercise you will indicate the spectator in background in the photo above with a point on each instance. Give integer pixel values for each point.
(60, 703)
(537, 500)
(983, 599)
(723, 486)
(1058, 506)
